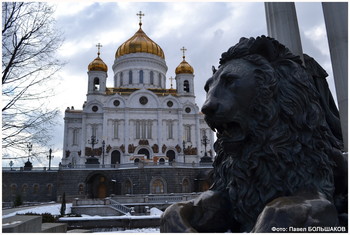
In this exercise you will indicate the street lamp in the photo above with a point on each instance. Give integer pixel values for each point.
(92, 160)
(205, 141)
(93, 141)
(30, 148)
(49, 157)
(11, 164)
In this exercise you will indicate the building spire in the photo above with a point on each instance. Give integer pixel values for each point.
(183, 49)
(140, 14)
(98, 48)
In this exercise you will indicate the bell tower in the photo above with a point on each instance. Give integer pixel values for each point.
(184, 77)
(97, 73)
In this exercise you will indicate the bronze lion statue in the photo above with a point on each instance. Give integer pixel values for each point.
(278, 165)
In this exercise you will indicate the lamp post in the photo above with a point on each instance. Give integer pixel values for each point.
(205, 158)
(93, 141)
(92, 161)
(183, 149)
(50, 157)
(103, 153)
(205, 141)
(30, 148)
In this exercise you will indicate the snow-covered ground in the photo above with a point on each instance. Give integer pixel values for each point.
(52, 209)
(55, 210)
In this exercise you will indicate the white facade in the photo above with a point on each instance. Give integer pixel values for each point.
(138, 118)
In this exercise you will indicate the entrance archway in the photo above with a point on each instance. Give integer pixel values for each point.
(144, 151)
(115, 157)
(171, 155)
(97, 186)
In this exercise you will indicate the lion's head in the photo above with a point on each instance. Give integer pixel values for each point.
(272, 136)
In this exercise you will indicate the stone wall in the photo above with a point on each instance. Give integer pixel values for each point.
(40, 186)
(32, 186)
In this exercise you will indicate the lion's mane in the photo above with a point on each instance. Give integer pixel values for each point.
(288, 146)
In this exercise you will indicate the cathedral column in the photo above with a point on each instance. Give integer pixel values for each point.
(336, 20)
(180, 134)
(126, 133)
(282, 25)
(83, 137)
(65, 139)
(159, 128)
(104, 136)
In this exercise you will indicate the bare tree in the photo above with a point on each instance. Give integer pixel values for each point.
(29, 43)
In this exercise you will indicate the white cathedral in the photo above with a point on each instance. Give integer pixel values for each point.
(139, 119)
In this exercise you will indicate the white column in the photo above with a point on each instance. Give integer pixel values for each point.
(336, 20)
(83, 138)
(282, 25)
(159, 129)
(126, 134)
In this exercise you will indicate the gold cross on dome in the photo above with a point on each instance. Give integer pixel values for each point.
(171, 81)
(183, 49)
(98, 48)
(140, 14)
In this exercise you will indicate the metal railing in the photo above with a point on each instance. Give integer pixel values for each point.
(114, 166)
(137, 165)
(119, 207)
(30, 169)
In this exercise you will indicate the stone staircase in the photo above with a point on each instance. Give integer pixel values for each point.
(31, 224)
(119, 207)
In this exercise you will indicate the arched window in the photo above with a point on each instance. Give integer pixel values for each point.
(186, 86)
(161, 161)
(186, 186)
(127, 187)
(96, 84)
(130, 77)
(151, 78)
(35, 189)
(141, 76)
(160, 80)
(144, 151)
(24, 188)
(121, 78)
(115, 158)
(75, 137)
(49, 189)
(157, 186)
(171, 155)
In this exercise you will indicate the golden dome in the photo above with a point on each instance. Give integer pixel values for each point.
(140, 42)
(97, 65)
(184, 67)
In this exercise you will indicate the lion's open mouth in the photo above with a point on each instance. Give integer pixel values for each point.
(226, 129)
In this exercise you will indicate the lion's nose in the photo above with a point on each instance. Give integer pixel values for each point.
(209, 108)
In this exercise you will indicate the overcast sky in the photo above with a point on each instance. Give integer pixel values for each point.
(206, 29)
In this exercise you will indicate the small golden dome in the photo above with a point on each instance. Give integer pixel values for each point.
(184, 67)
(97, 65)
(138, 43)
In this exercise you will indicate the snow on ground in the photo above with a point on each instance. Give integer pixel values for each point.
(52, 209)
(55, 210)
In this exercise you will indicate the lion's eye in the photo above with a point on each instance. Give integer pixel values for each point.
(229, 78)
